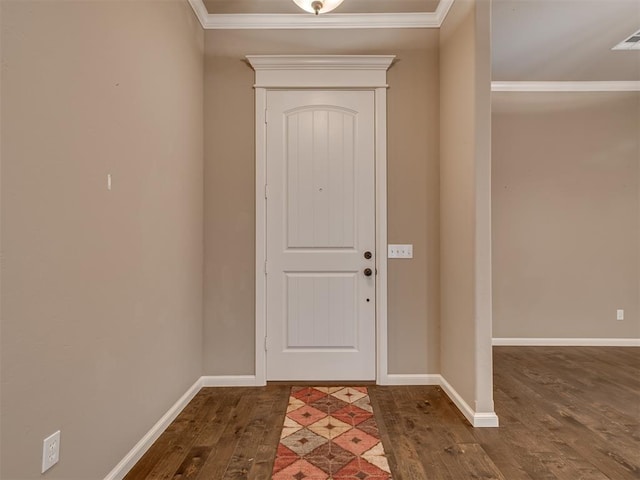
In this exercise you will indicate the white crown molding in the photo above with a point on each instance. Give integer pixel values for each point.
(567, 342)
(262, 21)
(200, 10)
(271, 21)
(442, 10)
(614, 86)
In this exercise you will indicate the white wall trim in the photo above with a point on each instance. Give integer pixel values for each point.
(630, 86)
(568, 342)
(320, 62)
(382, 348)
(322, 71)
(482, 420)
(200, 10)
(262, 21)
(261, 237)
(230, 381)
(136, 453)
(412, 379)
(477, 419)
(442, 11)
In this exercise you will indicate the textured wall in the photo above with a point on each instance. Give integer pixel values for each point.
(566, 214)
(413, 198)
(465, 185)
(101, 290)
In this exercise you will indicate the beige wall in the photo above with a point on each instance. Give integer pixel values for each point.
(465, 202)
(229, 189)
(566, 214)
(102, 290)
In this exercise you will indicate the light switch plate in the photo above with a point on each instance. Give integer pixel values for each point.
(400, 251)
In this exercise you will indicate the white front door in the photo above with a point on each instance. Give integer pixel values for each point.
(321, 235)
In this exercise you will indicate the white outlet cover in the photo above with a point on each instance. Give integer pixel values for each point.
(50, 451)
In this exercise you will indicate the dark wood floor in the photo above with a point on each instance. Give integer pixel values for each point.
(566, 413)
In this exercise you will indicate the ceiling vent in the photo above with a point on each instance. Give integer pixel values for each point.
(631, 43)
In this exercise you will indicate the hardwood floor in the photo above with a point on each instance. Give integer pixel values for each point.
(566, 414)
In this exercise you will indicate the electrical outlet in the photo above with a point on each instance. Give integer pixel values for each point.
(50, 451)
(400, 251)
(619, 314)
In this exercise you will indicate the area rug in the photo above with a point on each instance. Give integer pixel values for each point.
(330, 433)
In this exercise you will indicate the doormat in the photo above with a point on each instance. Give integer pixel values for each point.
(330, 433)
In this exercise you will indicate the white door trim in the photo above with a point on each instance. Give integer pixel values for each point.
(358, 72)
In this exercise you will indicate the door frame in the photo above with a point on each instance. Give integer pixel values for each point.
(321, 72)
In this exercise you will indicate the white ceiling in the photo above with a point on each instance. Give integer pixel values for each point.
(564, 40)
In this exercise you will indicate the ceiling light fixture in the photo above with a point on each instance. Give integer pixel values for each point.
(318, 6)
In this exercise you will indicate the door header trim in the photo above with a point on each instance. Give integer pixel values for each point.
(320, 71)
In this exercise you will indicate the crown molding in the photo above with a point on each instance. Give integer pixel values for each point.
(270, 21)
(200, 10)
(614, 86)
(442, 10)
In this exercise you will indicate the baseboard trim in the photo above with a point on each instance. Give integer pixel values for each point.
(481, 420)
(411, 379)
(229, 381)
(567, 342)
(140, 448)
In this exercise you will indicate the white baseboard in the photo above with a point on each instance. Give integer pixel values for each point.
(229, 381)
(476, 419)
(485, 419)
(411, 379)
(567, 342)
(136, 453)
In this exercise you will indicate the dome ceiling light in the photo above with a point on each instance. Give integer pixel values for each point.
(318, 6)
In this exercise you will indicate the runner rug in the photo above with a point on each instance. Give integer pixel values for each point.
(330, 433)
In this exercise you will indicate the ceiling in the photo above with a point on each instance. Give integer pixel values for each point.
(532, 40)
(349, 6)
(564, 40)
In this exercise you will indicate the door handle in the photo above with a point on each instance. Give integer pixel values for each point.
(368, 272)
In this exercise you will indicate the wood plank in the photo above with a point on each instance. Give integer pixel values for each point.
(566, 413)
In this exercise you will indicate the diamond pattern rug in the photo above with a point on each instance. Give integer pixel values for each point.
(329, 433)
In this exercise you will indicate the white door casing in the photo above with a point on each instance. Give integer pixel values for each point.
(320, 222)
(295, 72)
